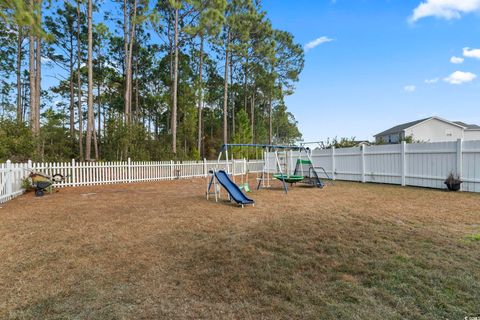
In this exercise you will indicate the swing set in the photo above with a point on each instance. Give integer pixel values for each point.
(279, 165)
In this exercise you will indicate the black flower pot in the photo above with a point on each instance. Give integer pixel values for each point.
(453, 186)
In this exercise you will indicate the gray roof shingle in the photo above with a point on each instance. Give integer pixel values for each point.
(468, 126)
(400, 127)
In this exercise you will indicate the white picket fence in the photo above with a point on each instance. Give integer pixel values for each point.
(96, 173)
(11, 177)
(417, 164)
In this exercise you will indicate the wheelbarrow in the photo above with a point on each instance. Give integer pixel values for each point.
(43, 183)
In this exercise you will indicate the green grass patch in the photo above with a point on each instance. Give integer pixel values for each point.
(474, 237)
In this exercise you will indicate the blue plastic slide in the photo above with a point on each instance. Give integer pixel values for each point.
(233, 190)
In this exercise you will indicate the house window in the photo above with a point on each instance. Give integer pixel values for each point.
(394, 138)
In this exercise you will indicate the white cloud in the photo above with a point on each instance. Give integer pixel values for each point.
(45, 60)
(445, 9)
(317, 42)
(459, 77)
(471, 53)
(432, 81)
(410, 88)
(456, 60)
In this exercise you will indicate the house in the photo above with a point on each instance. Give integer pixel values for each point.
(433, 129)
(360, 143)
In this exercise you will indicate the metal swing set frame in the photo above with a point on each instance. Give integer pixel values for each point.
(281, 168)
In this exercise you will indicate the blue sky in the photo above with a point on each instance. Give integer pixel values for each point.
(374, 72)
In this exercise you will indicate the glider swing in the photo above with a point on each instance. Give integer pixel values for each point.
(302, 168)
(283, 163)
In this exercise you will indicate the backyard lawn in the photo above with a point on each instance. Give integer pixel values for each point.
(160, 250)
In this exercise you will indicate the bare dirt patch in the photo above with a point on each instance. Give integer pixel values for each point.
(160, 250)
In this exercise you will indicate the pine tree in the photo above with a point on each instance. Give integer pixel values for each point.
(32, 75)
(215, 72)
(90, 115)
(79, 81)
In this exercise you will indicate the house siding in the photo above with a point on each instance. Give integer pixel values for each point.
(435, 130)
(472, 135)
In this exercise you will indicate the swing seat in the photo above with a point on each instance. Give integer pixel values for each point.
(288, 178)
(245, 187)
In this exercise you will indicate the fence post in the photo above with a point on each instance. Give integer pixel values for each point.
(403, 161)
(9, 179)
(460, 159)
(362, 151)
(74, 174)
(129, 170)
(205, 169)
(172, 170)
(290, 160)
(333, 163)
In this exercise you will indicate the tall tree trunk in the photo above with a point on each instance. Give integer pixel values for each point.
(99, 99)
(38, 75)
(270, 130)
(175, 87)
(79, 84)
(72, 92)
(31, 71)
(19, 75)
(99, 124)
(225, 94)
(171, 54)
(232, 96)
(137, 96)
(99, 108)
(200, 100)
(245, 85)
(38, 71)
(90, 115)
(125, 62)
(270, 108)
(252, 112)
(25, 86)
(95, 143)
(128, 85)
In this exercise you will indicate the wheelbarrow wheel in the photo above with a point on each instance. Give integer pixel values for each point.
(39, 192)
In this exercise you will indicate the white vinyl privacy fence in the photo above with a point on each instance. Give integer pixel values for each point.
(418, 164)
(95, 173)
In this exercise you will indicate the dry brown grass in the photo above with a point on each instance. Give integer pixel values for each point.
(160, 250)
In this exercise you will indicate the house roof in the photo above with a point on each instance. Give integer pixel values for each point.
(468, 126)
(401, 127)
(404, 126)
